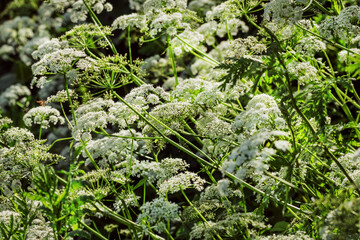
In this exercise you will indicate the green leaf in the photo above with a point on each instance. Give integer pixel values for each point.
(280, 226)
(139, 184)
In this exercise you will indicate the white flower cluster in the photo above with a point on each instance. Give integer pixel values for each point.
(13, 94)
(156, 18)
(157, 213)
(132, 20)
(136, 5)
(76, 9)
(44, 116)
(251, 159)
(262, 114)
(155, 171)
(151, 6)
(310, 45)
(180, 181)
(40, 230)
(191, 37)
(90, 116)
(283, 12)
(56, 58)
(114, 152)
(351, 163)
(6, 215)
(242, 47)
(169, 22)
(303, 71)
(198, 91)
(298, 235)
(227, 13)
(61, 96)
(30, 47)
(173, 113)
(347, 57)
(342, 26)
(224, 12)
(147, 94)
(210, 125)
(17, 135)
(127, 199)
(16, 33)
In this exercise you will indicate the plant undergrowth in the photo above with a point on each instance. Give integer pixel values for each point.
(176, 119)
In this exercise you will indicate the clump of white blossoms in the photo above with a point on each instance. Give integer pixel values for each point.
(167, 22)
(15, 34)
(303, 71)
(146, 95)
(43, 116)
(40, 229)
(6, 215)
(242, 47)
(131, 20)
(17, 135)
(181, 181)
(283, 12)
(62, 96)
(13, 94)
(345, 56)
(76, 10)
(262, 114)
(157, 213)
(159, 171)
(350, 162)
(343, 26)
(310, 45)
(114, 152)
(151, 6)
(199, 92)
(90, 116)
(56, 57)
(190, 37)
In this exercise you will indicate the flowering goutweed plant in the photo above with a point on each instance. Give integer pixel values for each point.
(180, 119)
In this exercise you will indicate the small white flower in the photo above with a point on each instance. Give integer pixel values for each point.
(43, 115)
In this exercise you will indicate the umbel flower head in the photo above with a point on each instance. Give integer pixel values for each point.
(44, 116)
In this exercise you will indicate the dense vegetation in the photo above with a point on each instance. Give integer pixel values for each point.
(176, 119)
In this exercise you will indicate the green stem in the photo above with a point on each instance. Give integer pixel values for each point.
(172, 58)
(66, 118)
(201, 160)
(287, 183)
(59, 140)
(69, 98)
(198, 212)
(198, 50)
(327, 40)
(40, 130)
(96, 233)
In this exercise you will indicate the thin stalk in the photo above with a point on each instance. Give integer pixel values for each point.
(59, 140)
(197, 50)
(187, 127)
(96, 233)
(172, 58)
(66, 118)
(168, 139)
(69, 98)
(287, 183)
(40, 130)
(327, 40)
(198, 212)
(254, 189)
